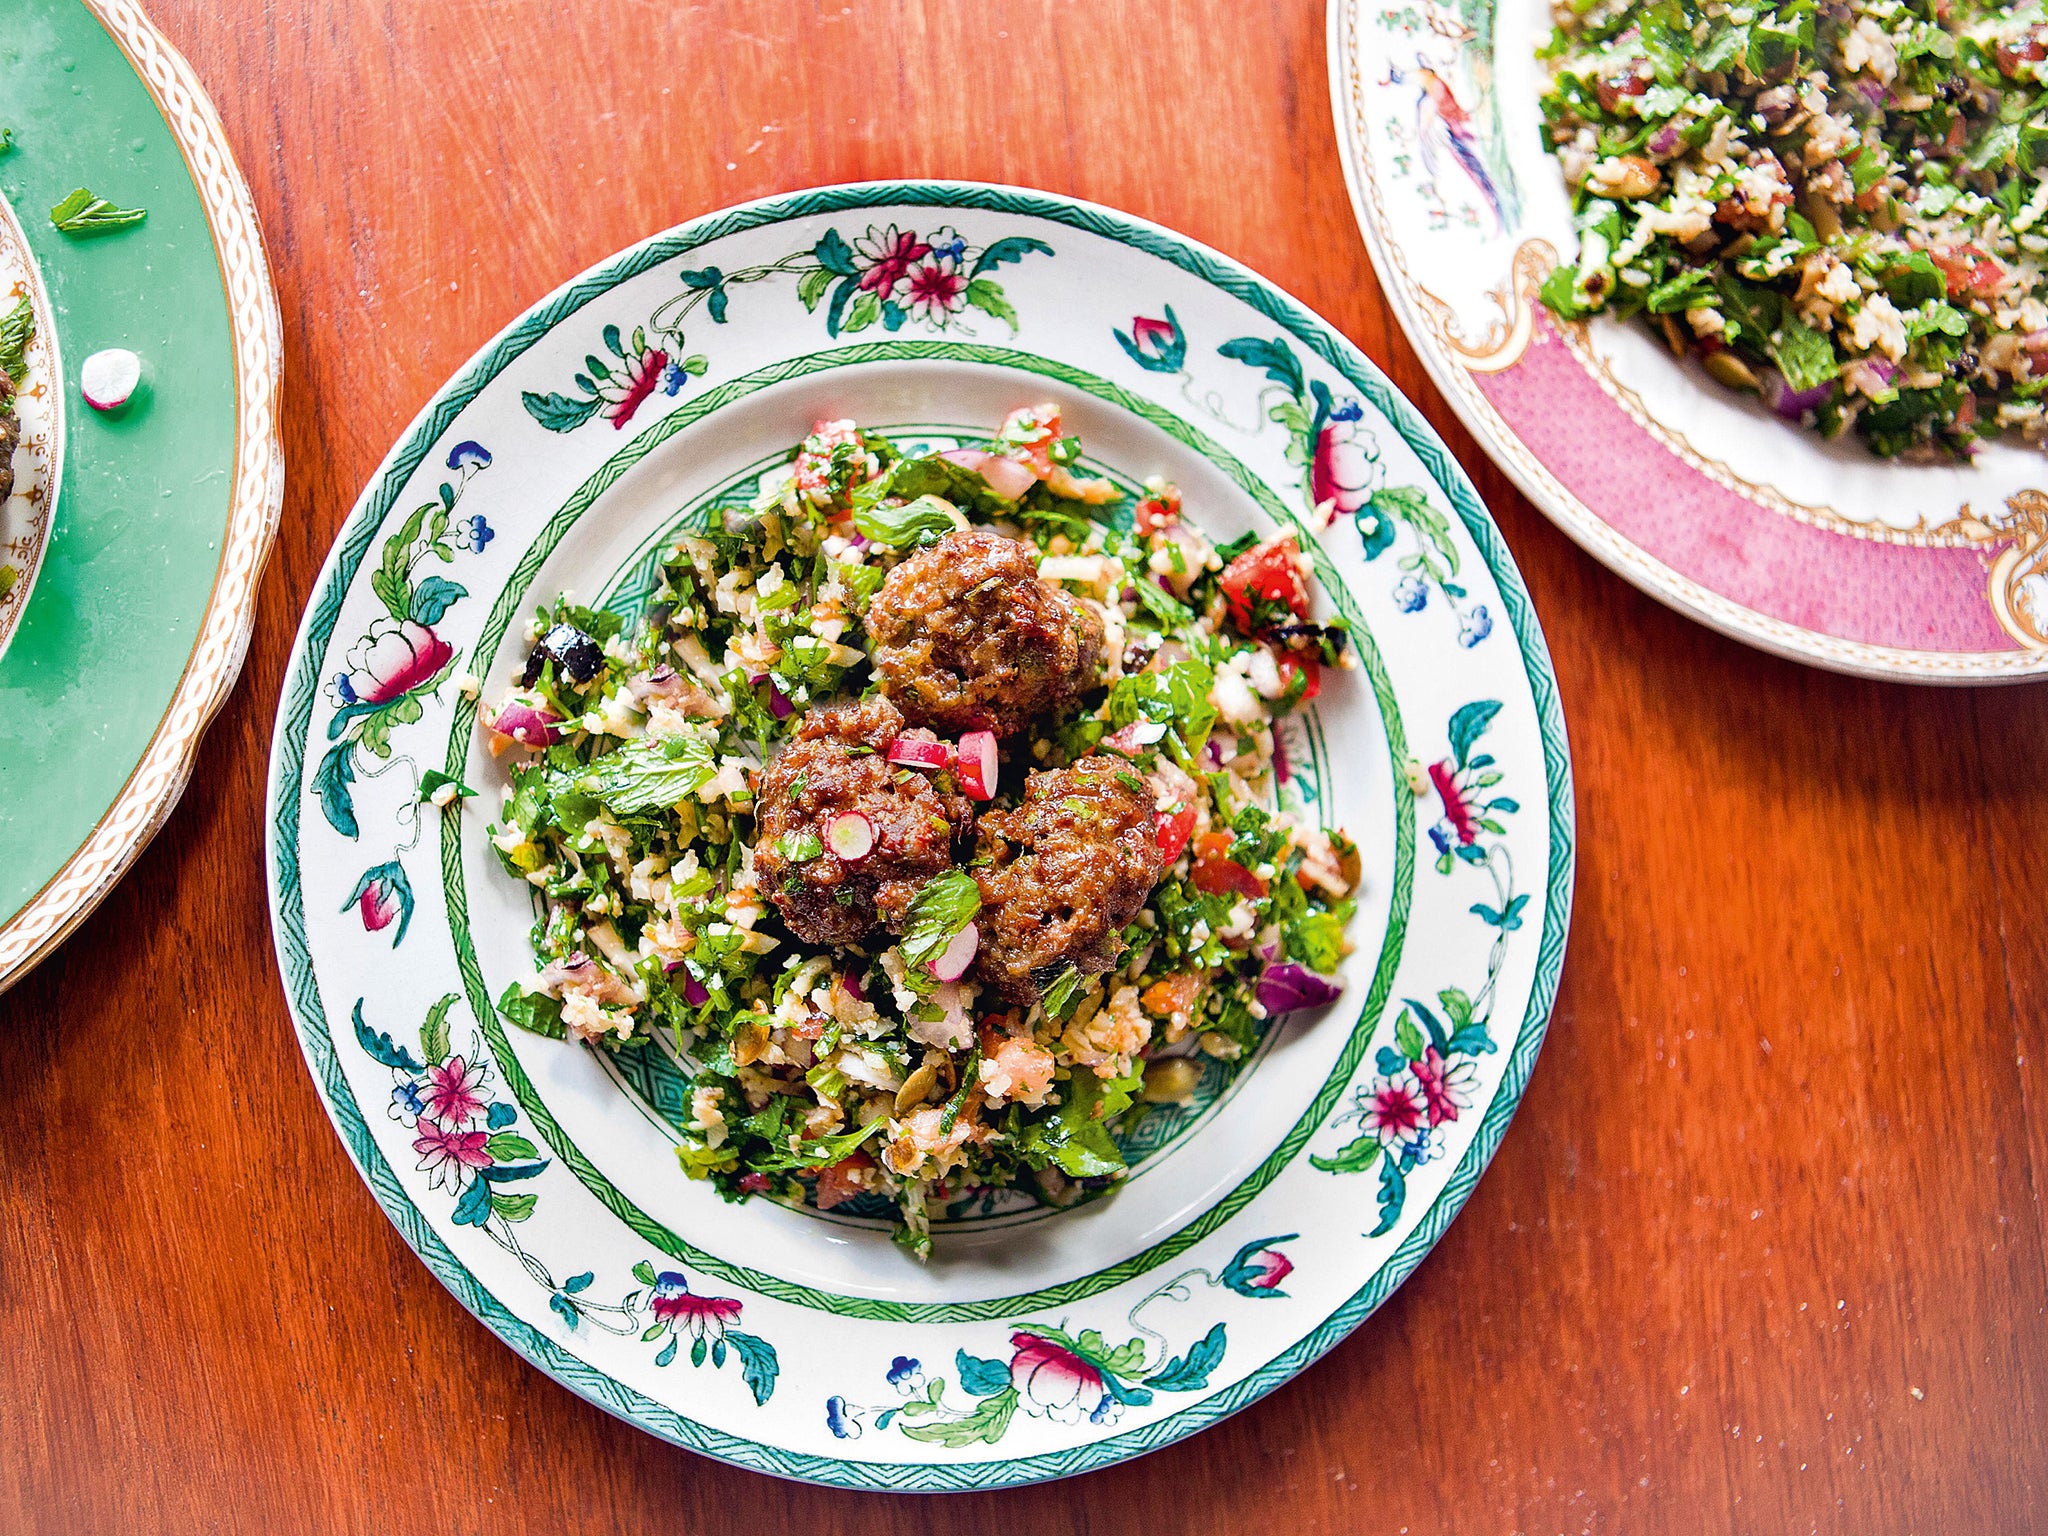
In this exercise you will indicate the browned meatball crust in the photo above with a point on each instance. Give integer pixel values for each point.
(1069, 869)
(835, 765)
(967, 638)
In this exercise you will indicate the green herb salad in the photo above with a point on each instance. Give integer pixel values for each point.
(929, 817)
(1837, 205)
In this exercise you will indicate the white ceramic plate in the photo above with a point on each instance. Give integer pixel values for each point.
(538, 1179)
(1810, 549)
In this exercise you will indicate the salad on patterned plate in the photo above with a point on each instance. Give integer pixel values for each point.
(928, 816)
(1838, 205)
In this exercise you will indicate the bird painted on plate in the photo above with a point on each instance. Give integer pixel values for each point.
(1445, 24)
(1442, 127)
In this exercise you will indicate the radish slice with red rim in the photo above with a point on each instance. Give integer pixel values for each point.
(952, 961)
(109, 379)
(919, 753)
(850, 835)
(978, 765)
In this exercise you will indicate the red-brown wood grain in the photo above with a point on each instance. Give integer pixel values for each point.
(1762, 1253)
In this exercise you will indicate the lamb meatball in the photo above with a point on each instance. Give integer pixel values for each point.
(967, 638)
(836, 765)
(1068, 871)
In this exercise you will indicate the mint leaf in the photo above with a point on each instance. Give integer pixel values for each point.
(900, 527)
(650, 775)
(82, 213)
(17, 330)
(534, 1011)
(1073, 1138)
(939, 911)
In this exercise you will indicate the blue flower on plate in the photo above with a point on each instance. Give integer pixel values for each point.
(842, 1418)
(406, 1103)
(466, 457)
(1411, 593)
(473, 533)
(906, 1376)
(673, 378)
(1474, 627)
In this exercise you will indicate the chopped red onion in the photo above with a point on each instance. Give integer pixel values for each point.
(1288, 987)
(527, 724)
(1793, 403)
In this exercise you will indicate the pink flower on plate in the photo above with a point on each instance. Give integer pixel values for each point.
(1446, 1085)
(448, 1158)
(696, 1315)
(395, 657)
(1053, 1382)
(641, 381)
(379, 906)
(1395, 1109)
(382, 897)
(937, 289)
(1156, 334)
(1346, 469)
(1457, 810)
(1259, 1267)
(887, 255)
(451, 1096)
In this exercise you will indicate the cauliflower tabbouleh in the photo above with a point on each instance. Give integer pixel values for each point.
(928, 814)
(1839, 205)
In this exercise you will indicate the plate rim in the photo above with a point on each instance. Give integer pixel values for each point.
(60, 405)
(283, 815)
(255, 506)
(1579, 522)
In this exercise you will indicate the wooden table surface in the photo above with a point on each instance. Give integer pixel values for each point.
(1763, 1251)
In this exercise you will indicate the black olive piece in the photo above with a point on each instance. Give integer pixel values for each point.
(575, 655)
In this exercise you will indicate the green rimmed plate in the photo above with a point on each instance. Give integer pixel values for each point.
(538, 1180)
(138, 620)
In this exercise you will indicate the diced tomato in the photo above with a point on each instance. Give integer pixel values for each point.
(1309, 667)
(1617, 85)
(1218, 874)
(1173, 829)
(754, 1184)
(835, 1184)
(1158, 511)
(1969, 271)
(1176, 994)
(1028, 434)
(1262, 577)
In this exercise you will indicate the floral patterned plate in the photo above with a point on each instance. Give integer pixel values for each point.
(143, 592)
(26, 513)
(1809, 549)
(538, 1180)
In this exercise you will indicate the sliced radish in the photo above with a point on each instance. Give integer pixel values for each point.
(953, 960)
(1008, 478)
(109, 379)
(850, 835)
(978, 765)
(919, 753)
